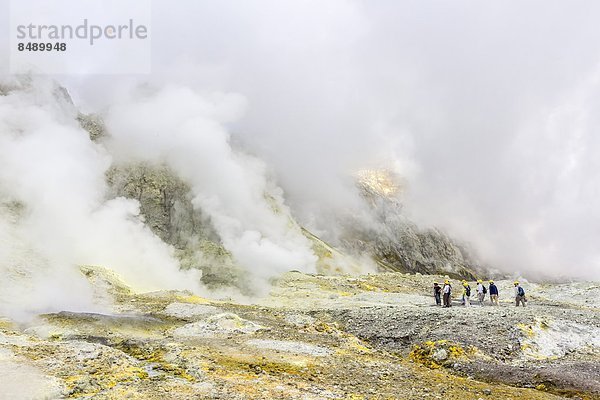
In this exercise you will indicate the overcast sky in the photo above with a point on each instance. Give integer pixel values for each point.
(489, 109)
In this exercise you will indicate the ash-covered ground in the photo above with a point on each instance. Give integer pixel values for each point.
(376, 336)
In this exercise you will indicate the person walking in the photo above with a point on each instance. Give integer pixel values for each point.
(466, 294)
(437, 293)
(519, 294)
(447, 291)
(493, 293)
(481, 291)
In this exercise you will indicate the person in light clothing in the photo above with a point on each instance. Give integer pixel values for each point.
(447, 291)
(481, 291)
(519, 294)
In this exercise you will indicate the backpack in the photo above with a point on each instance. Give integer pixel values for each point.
(521, 291)
(468, 290)
(484, 290)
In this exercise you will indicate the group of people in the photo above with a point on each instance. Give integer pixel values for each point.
(443, 294)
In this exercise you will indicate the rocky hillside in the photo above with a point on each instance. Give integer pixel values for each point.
(314, 337)
(396, 242)
(387, 236)
(333, 335)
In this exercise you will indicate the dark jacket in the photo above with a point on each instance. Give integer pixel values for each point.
(493, 289)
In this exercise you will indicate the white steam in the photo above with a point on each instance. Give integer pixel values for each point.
(187, 132)
(54, 216)
(488, 110)
(492, 106)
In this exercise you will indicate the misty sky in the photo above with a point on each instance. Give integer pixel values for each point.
(489, 109)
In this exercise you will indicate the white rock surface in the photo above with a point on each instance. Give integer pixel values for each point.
(290, 347)
(220, 324)
(21, 381)
(186, 310)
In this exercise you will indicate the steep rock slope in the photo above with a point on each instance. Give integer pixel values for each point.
(395, 241)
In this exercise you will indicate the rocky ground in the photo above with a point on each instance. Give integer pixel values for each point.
(315, 337)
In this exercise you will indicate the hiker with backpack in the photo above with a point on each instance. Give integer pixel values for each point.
(437, 294)
(447, 290)
(481, 291)
(493, 293)
(519, 294)
(466, 294)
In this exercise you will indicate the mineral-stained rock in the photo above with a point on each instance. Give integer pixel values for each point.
(19, 379)
(301, 343)
(93, 124)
